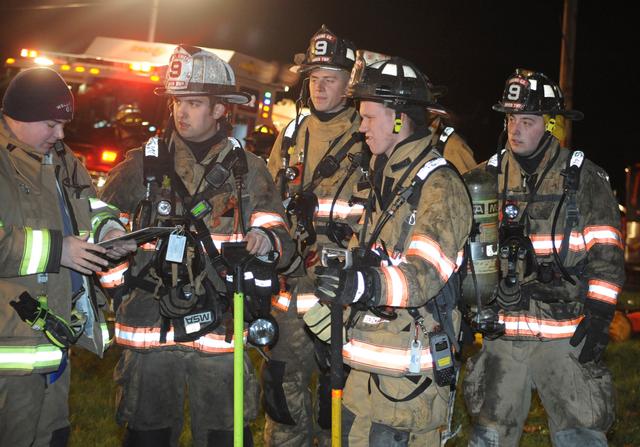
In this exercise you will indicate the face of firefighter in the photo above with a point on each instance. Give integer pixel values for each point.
(377, 127)
(327, 89)
(194, 117)
(524, 132)
(40, 135)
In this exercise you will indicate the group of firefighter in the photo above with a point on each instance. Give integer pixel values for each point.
(350, 246)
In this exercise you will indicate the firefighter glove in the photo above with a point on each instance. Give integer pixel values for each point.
(344, 286)
(594, 330)
(36, 313)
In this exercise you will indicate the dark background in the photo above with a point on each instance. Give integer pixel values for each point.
(470, 46)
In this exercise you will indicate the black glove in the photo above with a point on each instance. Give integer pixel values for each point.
(37, 314)
(595, 328)
(344, 286)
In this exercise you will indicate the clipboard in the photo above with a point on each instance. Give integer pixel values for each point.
(140, 236)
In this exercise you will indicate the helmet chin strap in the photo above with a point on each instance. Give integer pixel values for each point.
(543, 144)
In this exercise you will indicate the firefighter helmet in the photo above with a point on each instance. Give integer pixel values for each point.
(395, 82)
(261, 139)
(129, 115)
(326, 50)
(193, 71)
(262, 132)
(534, 93)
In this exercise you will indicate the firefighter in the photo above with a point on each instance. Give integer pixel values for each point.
(129, 131)
(403, 284)
(554, 301)
(315, 163)
(260, 140)
(455, 149)
(174, 323)
(48, 222)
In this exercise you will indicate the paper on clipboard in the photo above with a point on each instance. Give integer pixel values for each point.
(140, 236)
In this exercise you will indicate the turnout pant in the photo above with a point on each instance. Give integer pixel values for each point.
(369, 418)
(32, 412)
(152, 387)
(287, 388)
(578, 398)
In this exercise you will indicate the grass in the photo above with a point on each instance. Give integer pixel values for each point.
(93, 391)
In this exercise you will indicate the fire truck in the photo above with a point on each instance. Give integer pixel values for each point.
(113, 72)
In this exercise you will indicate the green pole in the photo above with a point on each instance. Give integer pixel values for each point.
(238, 368)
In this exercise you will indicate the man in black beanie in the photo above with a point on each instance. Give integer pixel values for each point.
(49, 220)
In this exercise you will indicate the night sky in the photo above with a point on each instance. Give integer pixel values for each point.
(470, 46)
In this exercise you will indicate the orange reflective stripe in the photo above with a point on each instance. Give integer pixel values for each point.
(542, 243)
(530, 326)
(429, 250)
(604, 234)
(364, 354)
(149, 338)
(267, 220)
(603, 291)
(397, 289)
(305, 301)
(113, 277)
(282, 301)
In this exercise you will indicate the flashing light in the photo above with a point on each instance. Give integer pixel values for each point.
(265, 115)
(264, 129)
(65, 67)
(155, 78)
(108, 156)
(140, 66)
(10, 61)
(44, 61)
(80, 69)
(94, 71)
(25, 52)
(267, 101)
(267, 94)
(286, 88)
(266, 108)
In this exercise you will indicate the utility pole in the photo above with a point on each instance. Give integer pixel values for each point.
(567, 59)
(153, 20)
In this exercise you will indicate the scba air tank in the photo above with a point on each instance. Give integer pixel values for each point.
(482, 185)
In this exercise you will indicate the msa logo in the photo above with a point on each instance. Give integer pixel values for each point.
(480, 208)
(203, 317)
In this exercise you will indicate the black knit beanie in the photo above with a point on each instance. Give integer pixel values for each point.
(38, 94)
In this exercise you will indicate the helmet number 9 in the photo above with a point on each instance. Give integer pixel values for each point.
(514, 92)
(175, 69)
(320, 47)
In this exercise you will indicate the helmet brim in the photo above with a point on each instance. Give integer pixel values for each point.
(393, 102)
(573, 115)
(233, 98)
(304, 69)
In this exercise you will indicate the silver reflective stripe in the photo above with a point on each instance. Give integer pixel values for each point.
(577, 158)
(429, 166)
(28, 358)
(36, 251)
